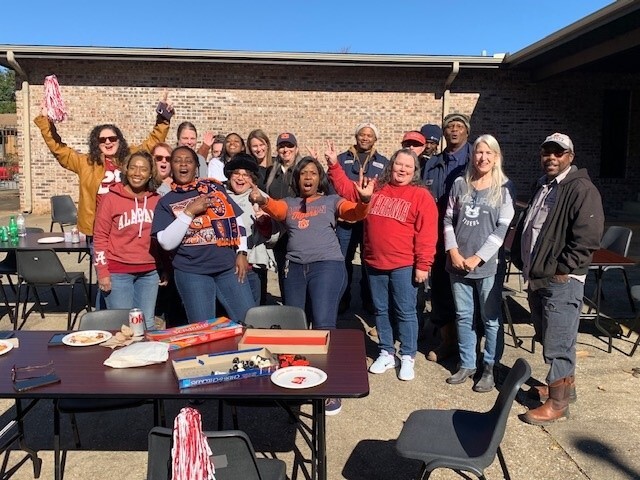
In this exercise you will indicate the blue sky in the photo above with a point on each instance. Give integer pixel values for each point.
(464, 27)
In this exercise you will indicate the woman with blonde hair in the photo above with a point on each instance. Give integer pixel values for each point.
(259, 147)
(476, 221)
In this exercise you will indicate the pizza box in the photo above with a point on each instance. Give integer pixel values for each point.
(196, 333)
(286, 341)
(219, 367)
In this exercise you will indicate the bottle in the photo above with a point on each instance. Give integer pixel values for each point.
(13, 228)
(22, 228)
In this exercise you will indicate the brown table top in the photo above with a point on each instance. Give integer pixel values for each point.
(30, 241)
(607, 258)
(83, 375)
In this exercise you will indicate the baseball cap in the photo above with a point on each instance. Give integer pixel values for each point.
(561, 139)
(287, 138)
(431, 132)
(414, 136)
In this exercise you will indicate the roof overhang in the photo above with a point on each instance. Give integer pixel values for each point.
(607, 40)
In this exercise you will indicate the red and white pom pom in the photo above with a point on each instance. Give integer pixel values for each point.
(52, 101)
(190, 453)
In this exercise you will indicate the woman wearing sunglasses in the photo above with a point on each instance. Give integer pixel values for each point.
(100, 168)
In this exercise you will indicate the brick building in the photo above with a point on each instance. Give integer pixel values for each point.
(579, 80)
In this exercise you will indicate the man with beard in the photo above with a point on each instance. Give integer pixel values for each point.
(439, 173)
(361, 155)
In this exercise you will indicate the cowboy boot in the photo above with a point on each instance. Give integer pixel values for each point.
(448, 344)
(555, 408)
(541, 392)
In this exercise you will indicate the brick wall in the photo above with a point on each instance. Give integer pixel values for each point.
(320, 103)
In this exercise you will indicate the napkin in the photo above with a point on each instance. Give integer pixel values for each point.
(138, 355)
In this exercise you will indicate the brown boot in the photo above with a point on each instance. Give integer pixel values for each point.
(555, 408)
(541, 392)
(448, 344)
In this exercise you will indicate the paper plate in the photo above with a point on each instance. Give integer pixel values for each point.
(51, 240)
(5, 346)
(85, 338)
(298, 377)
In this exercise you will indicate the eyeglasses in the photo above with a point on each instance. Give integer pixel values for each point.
(26, 373)
(555, 153)
(159, 158)
(240, 174)
(113, 139)
(286, 145)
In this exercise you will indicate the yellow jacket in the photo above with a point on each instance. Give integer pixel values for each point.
(89, 175)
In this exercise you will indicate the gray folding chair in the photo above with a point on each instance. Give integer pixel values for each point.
(43, 268)
(233, 457)
(98, 320)
(461, 439)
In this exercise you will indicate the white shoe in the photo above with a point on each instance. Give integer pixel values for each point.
(384, 362)
(406, 368)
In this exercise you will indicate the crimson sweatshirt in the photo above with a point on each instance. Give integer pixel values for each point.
(122, 232)
(401, 227)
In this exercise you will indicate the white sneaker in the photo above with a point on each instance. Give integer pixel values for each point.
(406, 368)
(383, 363)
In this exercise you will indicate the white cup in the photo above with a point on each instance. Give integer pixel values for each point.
(67, 237)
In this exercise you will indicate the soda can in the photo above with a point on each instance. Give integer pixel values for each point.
(136, 322)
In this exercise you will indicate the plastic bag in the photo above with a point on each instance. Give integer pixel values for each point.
(138, 355)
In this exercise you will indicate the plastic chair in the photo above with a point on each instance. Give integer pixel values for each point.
(9, 264)
(635, 293)
(266, 316)
(63, 211)
(42, 268)
(233, 457)
(98, 320)
(461, 439)
(617, 239)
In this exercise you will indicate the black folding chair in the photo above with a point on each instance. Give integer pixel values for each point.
(233, 457)
(63, 211)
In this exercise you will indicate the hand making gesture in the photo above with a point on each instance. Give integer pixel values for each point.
(256, 196)
(330, 153)
(365, 187)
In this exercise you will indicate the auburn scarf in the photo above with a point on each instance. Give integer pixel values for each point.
(218, 224)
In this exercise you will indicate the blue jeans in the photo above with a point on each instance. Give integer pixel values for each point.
(395, 288)
(255, 284)
(489, 301)
(199, 293)
(555, 314)
(323, 283)
(135, 290)
(350, 236)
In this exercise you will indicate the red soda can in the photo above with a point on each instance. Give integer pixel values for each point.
(136, 322)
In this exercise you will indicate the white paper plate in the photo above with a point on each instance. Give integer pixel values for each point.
(85, 338)
(298, 377)
(51, 240)
(5, 347)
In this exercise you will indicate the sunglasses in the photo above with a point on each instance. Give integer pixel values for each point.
(113, 139)
(159, 158)
(555, 153)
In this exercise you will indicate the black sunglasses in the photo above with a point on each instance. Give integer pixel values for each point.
(159, 158)
(113, 139)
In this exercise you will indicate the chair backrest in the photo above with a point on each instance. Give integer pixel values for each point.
(499, 413)
(63, 210)
(40, 267)
(285, 316)
(104, 319)
(233, 455)
(617, 239)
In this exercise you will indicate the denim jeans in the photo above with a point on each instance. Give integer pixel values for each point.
(489, 301)
(255, 284)
(323, 283)
(395, 289)
(555, 314)
(135, 290)
(350, 236)
(199, 293)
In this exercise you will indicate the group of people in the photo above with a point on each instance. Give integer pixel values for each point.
(208, 222)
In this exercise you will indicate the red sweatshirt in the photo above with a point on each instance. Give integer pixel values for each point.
(122, 232)
(401, 228)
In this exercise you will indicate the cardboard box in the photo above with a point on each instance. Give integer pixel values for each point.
(214, 367)
(286, 341)
(196, 333)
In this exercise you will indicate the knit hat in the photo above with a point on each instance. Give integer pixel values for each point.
(561, 139)
(287, 138)
(457, 117)
(370, 125)
(431, 132)
(414, 136)
(241, 161)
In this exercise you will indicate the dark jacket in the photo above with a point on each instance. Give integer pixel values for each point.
(438, 175)
(571, 233)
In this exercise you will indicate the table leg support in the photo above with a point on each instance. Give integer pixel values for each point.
(320, 433)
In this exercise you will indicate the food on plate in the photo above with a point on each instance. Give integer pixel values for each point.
(82, 338)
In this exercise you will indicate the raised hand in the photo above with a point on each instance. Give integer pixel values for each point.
(365, 187)
(330, 153)
(313, 152)
(256, 196)
(207, 138)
